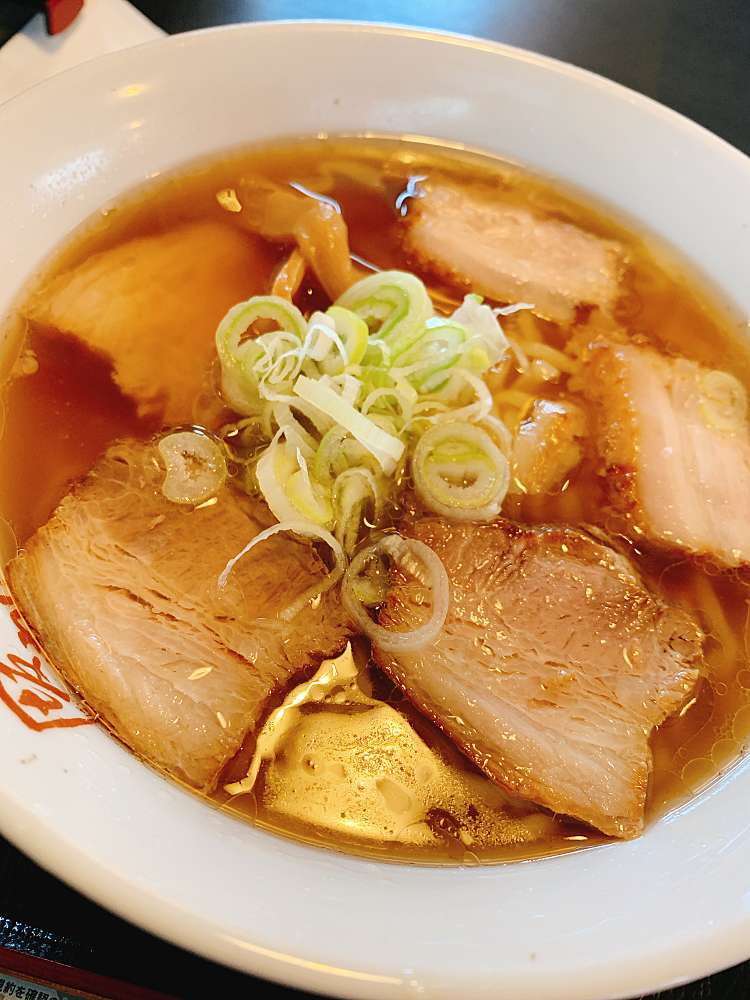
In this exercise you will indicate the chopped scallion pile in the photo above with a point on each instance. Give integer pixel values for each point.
(350, 399)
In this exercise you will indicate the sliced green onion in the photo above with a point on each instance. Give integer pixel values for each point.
(353, 333)
(419, 562)
(459, 472)
(196, 467)
(346, 386)
(294, 432)
(311, 502)
(337, 452)
(306, 530)
(482, 322)
(722, 401)
(239, 355)
(375, 376)
(340, 397)
(322, 337)
(475, 357)
(312, 414)
(378, 354)
(437, 351)
(499, 433)
(394, 304)
(514, 308)
(284, 481)
(351, 492)
(386, 448)
(370, 587)
(453, 393)
(272, 471)
(403, 395)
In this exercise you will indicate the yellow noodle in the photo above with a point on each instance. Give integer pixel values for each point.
(535, 378)
(442, 301)
(528, 385)
(526, 326)
(497, 378)
(513, 397)
(552, 356)
(511, 417)
(520, 354)
(716, 620)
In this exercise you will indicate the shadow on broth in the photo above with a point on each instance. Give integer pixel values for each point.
(404, 493)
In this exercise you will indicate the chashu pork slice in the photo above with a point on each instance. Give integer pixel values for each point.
(121, 586)
(479, 239)
(552, 668)
(674, 441)
(151, 306)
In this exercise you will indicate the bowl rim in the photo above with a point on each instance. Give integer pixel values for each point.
(398, 28)
(720, 946)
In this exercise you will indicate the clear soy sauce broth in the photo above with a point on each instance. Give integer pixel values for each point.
(373, 776)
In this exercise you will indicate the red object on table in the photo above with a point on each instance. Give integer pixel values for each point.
(60, 14)
(57, 978)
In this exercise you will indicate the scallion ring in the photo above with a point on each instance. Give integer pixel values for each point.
(305, 530)
(239, 355)
(394, 304)
(196, 467)
(418, 561)
(459, 472)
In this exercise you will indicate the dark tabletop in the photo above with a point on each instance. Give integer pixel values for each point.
(693, 55)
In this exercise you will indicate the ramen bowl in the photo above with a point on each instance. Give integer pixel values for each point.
(613, 921)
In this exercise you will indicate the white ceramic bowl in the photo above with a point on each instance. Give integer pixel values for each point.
(610, 922)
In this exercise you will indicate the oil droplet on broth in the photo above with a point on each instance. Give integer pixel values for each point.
(741, 724)
(698, 772)
(723, 751)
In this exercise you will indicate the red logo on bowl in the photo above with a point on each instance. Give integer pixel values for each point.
(27, 691)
